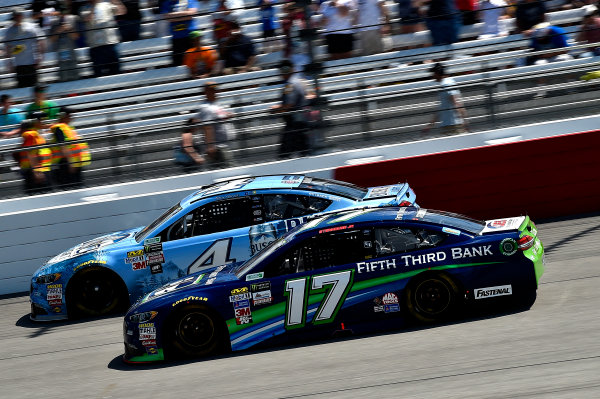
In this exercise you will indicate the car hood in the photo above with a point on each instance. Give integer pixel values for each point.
(207, 279)
(103, 243)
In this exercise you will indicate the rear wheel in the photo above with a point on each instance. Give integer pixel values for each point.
(193, 331)
(96, 291)
(431, 298)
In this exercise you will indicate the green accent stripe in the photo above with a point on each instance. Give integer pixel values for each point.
(278, 310)
(148, 358)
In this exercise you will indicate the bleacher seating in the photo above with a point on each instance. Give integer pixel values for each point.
(137, 115)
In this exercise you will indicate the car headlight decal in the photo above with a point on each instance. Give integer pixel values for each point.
(47, 278)
(142, 317)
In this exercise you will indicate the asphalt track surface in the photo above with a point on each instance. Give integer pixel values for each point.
(550, 351)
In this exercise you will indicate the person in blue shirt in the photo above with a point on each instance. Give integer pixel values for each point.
(548, 37)
(180, 14)
(10, 117)
(269, 23)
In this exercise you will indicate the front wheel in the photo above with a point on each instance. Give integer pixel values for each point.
(193, 331)
(432, 298)
(96, 292)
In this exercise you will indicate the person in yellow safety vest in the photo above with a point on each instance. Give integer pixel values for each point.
(34, 164)
(68, 159)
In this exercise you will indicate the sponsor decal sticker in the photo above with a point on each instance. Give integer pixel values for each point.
(400, 213)
(261, 297)
(421, 212)
(390, 298)
(336, 229)
(57, 302)
(135, 259)
(497, 224)
(152, 350)
(451, 231)
(88, 262)
(391, 308)
(54, 292)
(155, 269)
(133, 254)
(157, 247)
(262, 286)
(152, 240)
(149, 342)
(155, 258)
(190, 298)
(255, 276)
(57, 309)
(210, 281)
(138, 265)
(241, 304)
(236, 291)
(508, 246)
(378, 308)
(239, 297)
(243, 315)
(489, 292)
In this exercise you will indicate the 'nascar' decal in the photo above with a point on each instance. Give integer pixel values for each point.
(490, 292)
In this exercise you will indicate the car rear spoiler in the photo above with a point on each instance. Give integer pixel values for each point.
(506, 224)
(401, 193)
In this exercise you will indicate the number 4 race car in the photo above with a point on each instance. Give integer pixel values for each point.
(350, 271)
(219, 224)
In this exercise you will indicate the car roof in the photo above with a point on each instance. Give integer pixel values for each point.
(395, 213)
(265, 182)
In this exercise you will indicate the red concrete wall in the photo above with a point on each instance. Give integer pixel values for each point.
(547, 177)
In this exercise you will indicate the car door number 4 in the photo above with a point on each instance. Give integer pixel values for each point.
(335, 286)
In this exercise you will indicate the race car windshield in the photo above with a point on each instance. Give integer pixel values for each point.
(334, 187)
(143, 233)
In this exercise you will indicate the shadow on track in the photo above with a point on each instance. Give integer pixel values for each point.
(472, 315)
(43, 327)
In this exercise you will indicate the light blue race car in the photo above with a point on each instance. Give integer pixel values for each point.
(219, 224)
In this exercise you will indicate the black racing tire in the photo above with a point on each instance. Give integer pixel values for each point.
(193, 331)
(432, 297)
(96, 291)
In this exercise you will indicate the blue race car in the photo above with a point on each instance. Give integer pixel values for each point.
(349, 271)
(217, 225)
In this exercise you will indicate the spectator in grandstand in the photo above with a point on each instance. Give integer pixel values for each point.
(590, 32)
(187, 153)
(239, 52)
(372, 22)
(64, 36)
(101, 35)
(468, 11)
(292, 23)
(10, 117)
(224, 15)
(34, 164)
(493, 15)
(452, 114)
(25, 47)
(217, 131)
(443, 22)
(410, 16)
(270, 24)
(338, 16)
(48, 109)
(202, 61)
(68, 159)
(293, 107)
(547, 37)
(46, 12)
(528, 14)
(180, 13)
(130, 22)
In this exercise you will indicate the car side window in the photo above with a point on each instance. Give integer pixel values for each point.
(211, 218)
(320, 251)
(394, 240)
(285, 206)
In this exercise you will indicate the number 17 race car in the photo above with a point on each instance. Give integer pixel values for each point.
(351, 271)
(221, 223)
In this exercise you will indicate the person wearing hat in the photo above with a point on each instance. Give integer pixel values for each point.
(293, 107)
(24, 44)
(48, 108)
(451, 114)
(69, 158)
(35, 163)
(548, 37)
(201, 60)
(589, 31)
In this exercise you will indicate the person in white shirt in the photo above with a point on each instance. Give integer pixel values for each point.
(338, 18)
(370, 16)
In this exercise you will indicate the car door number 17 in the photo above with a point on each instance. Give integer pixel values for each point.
(335, 287)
